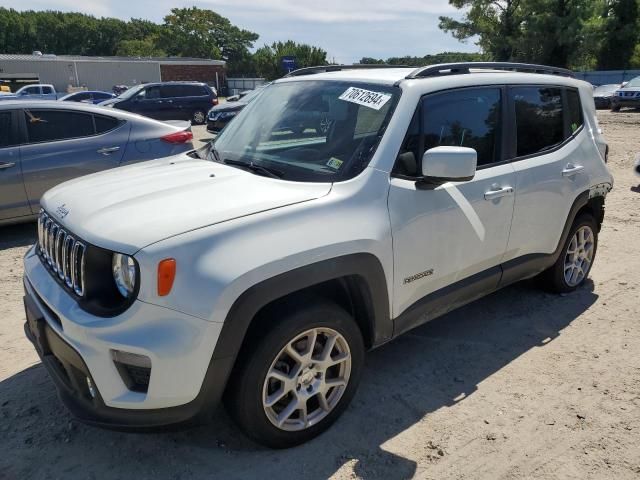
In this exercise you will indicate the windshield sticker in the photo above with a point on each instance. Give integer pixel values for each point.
(334, 163)
(365, 98)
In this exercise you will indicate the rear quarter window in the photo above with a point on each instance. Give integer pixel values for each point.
(574, 110)
(105, 124)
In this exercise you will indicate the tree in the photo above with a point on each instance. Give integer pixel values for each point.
(444, 57)
(619, 34)
(194, 32)
(496, 23)
(140, 48)
(267, 59)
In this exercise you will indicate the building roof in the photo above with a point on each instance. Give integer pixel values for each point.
(83, 58)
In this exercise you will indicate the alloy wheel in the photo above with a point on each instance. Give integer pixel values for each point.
(579, 256)
(307, 379)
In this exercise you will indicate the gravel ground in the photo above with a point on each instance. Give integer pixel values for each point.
(519, 385)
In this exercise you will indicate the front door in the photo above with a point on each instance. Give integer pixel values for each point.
(448, 241)
(13, 198)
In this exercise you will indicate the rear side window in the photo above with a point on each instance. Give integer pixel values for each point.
(574, 111)
(5, 129)
(539, 121)
(47, 90)
(104, 124)
(182, 90)
(51, 125)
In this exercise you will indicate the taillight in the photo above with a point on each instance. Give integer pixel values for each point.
(214, 101)
(178, 137)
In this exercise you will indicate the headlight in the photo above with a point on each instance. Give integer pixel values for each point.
(124, 274)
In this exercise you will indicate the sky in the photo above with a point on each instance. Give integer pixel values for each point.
(347, 29)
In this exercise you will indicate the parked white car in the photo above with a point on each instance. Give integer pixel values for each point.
(263, 267)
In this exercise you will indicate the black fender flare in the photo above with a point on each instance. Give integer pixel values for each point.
(366, 266)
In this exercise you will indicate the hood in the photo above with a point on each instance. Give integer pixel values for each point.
(110, 101)
(228, 107)
(128, 208)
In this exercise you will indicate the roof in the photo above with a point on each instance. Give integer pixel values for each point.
(84, 58)
(393, 76)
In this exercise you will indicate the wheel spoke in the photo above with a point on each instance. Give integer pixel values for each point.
(274, 398)
(322, 401)
(288, 411)
(294, 354)
(328, 348)
(278, 375)
(311, 343)
(334, 382)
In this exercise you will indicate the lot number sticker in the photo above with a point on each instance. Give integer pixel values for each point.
(366, 98)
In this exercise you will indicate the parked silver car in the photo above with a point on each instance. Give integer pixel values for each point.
(44, 143)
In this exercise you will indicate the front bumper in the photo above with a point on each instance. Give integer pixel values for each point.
(623, 102)
(215, 126)
(185, 383)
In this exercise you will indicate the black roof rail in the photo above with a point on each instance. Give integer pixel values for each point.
(463, 67)
(337, 68)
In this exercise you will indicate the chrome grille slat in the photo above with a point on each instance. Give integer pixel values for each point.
(62, 253)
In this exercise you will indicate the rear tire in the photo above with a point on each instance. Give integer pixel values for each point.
(615, 108)
(198, 117)
(576, 258)
(283, 393)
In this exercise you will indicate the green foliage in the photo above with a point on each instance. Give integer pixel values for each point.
(148, 47)
(194, 32)
(581, 34)
(267, 59)
(444, 57)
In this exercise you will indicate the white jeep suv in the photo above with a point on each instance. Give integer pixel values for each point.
(341, 208)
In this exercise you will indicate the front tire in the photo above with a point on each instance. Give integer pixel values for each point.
(576, 258)
(299, 377)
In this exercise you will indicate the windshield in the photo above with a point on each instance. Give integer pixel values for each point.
(130, 92)
(312, 131)
(634, 82)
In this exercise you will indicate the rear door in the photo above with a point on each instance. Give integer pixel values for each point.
(13, 197)
(548, 161)
(64, 144)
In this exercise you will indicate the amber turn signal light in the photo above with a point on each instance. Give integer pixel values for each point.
(166, 275)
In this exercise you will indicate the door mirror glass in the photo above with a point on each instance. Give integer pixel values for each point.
(449, 164)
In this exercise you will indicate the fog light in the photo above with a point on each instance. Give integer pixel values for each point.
(92, 391)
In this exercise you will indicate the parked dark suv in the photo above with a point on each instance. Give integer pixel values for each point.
(168, 101)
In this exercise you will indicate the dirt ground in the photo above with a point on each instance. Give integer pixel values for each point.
(519, 385)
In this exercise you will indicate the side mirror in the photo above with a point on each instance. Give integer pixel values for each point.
(449, 164)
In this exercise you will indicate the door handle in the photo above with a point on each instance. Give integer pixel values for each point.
(4, 165)
(107, 150)
(570, 170)
(497, 192)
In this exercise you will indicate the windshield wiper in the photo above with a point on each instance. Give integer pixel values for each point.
(266, 171)
(214, 152)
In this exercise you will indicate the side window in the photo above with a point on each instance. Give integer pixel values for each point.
(32, 90)
(149, 93)
(51, 125)
(81, 97)
(574, 110)
(464, 118)
(104, 124)
(171, 91)
(539, 122)
(195, 90)
(6, 137)
(47, 90)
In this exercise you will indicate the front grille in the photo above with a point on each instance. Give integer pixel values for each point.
(61, 253)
